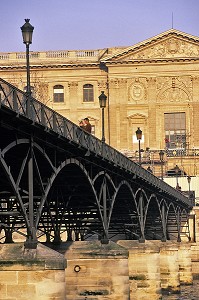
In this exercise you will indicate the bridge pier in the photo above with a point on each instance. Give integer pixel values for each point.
(157, 268)
(31, 273)
(144, 269)
(169, 268)
(195, 246)
(96, 270)
(126, 270)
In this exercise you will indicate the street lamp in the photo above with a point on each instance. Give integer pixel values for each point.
(161, 154)
(27, 31)
(189, 183)
(177, 170)
(102, 102)
(31, 242)
(139, 137)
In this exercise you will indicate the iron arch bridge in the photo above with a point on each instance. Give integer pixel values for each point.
(56, 178)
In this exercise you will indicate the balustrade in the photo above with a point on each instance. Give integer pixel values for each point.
(49, 55)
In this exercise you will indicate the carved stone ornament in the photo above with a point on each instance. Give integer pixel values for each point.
(174, 95)
(174, 89)
(113, 83)
(137, 91)
(171, 47)
(73, 84)
(102, 85)
(117, 83)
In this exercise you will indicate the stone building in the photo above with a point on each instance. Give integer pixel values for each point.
(153, 85)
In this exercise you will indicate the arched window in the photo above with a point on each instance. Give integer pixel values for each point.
(88, 94)
(58, 93)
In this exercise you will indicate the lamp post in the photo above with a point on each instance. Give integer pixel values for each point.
(177, 169)
(189, 183)
(102, 102)
(31, 242)
(161, 154)
(139, 137)
(27, 31)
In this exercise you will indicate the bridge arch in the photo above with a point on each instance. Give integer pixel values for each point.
(153, 219)
(16, 174)
(171, 221)
(123, 213)
(74, 192)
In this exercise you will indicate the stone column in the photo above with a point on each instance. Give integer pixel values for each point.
(96, 271)
(144, 270)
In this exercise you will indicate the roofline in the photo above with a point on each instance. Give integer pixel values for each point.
(149, 41)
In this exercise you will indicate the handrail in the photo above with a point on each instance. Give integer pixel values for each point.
(18, 101)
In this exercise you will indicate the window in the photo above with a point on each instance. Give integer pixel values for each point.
(88, 94)
(58, 93)
(175, 130)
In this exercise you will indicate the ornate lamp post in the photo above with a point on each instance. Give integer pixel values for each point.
(139, 137)
(161, 154)
(102, 102)
(189, 183)
(27, 31)
(31, 242)
(177, 170)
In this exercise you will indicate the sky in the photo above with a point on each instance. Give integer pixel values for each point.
(93, 24)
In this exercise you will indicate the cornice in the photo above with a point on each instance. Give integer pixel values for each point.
(53, 66)
(151, 61)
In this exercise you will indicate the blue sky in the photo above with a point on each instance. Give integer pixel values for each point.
(92, 24)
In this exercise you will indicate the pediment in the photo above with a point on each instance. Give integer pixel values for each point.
(169, 44)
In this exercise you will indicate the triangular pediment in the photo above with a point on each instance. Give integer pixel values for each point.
(169, 44)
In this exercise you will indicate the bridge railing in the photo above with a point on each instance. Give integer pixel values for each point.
(39, 113)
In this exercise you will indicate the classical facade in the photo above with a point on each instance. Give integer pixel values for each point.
(153, 85)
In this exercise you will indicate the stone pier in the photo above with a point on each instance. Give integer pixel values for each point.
(128, 270)
(185, 263)
(96, 271)
(144, 270)
(36, 274)
(195, 246)
(169, 268)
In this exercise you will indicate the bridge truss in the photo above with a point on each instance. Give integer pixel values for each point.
(55, 178)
